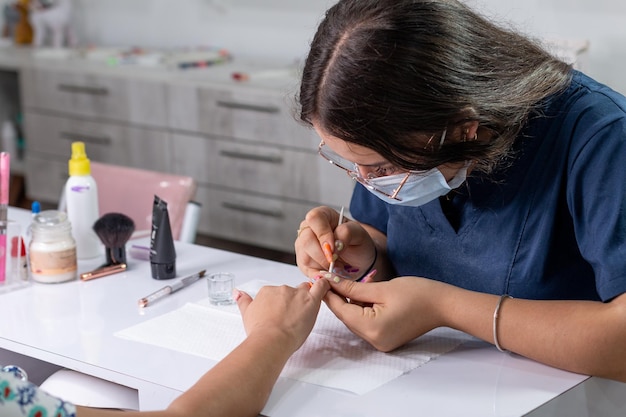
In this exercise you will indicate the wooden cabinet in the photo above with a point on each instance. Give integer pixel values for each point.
(107, 142)
(111, 97)
(236, 111)
(49, 141)
(122, 121)
(257, 167)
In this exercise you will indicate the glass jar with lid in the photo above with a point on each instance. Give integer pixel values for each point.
(52, 249)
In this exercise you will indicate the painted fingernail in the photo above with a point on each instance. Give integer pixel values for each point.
(236, 294)
(337, 279)
(338, 245)
(328, 275)
(335, 256)
(370, 275)
(328, 252)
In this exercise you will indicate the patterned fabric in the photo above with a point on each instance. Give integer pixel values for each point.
(20, 398)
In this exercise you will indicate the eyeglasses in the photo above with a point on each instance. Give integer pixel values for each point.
(385, 170)
(354, 171)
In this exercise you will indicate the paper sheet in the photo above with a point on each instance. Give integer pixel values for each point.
(332, 356)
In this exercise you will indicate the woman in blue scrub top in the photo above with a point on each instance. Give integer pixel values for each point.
(490, 191)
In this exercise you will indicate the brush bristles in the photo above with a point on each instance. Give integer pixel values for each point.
(114, 230)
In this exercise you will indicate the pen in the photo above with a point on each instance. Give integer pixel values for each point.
(332, 264)
(169, 289)
(5, 176)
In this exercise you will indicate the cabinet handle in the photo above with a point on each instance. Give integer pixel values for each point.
(255, 210)
(96, 140)
(249, 107)
(273, 159)
(81, 89)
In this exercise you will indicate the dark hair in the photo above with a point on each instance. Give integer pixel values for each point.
(386, 73)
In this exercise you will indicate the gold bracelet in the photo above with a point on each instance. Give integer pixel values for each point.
(495, 322)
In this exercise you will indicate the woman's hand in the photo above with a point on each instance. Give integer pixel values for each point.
(350, 242)
(283, 311)
(387, 314)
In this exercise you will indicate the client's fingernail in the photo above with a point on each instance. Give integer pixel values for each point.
(370, 275)
(236, 294)
(338, 245)
(337, 279)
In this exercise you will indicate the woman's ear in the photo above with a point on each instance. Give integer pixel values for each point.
(469, 131)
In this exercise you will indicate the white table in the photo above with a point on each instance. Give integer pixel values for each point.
(72, 325)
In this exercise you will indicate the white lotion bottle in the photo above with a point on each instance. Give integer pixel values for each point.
(81, 196)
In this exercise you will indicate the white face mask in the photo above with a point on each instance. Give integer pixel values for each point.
(419, 189)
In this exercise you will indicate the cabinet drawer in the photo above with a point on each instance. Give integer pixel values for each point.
(46, 178)
(266, 222)
(97, 96)
(271, 170)
(111, 143)
(266, 116)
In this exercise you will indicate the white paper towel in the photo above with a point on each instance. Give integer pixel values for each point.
(332, 356)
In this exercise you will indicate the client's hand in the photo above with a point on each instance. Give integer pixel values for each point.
(282, 311)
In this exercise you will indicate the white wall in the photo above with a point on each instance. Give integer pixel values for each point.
(282, 29)
(278, 29)
(601, 22)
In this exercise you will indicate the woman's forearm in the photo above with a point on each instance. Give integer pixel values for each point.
(240, 384)
(277, 322)
(580, 336)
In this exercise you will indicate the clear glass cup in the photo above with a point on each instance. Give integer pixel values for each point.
(221, 286)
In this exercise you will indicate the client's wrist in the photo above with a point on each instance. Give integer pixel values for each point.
(276, 337)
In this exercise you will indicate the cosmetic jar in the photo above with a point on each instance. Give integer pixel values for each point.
(52, 250)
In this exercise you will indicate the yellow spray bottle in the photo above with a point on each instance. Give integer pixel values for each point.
(81, 196)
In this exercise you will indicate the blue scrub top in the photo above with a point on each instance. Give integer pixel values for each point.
(550, 225)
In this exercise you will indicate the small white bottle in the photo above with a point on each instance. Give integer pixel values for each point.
(81, 196)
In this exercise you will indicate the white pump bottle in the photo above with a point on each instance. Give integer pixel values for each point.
(81, 196)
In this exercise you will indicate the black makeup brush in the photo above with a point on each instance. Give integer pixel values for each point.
(114, 230)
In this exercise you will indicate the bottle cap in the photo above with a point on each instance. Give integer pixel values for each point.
(79, 163)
